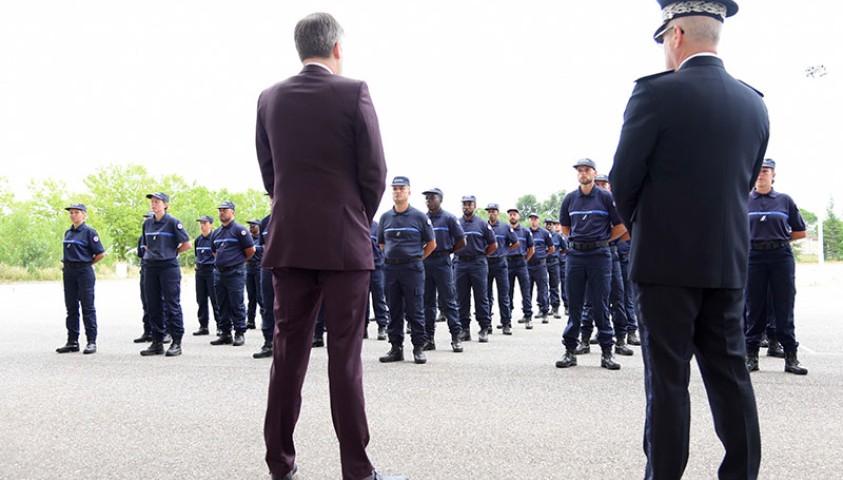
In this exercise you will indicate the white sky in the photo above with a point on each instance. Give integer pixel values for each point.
(492, 98)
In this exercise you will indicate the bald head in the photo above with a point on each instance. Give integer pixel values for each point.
(689, 36)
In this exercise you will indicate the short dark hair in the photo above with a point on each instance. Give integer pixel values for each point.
(316, 35)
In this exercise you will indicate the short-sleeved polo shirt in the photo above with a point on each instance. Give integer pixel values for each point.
(542, 241)
(772, 217)
(230, 243)
(404, 234)
(204, 246)
(590, 217)
(505, 236)
(525, 241)
(446, 229)
(478, 236)
(162, 239)
(81, 244)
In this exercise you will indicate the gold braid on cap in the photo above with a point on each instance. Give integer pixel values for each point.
(694, 7)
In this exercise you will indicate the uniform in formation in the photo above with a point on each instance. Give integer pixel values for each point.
(498, 266)
(203, 245)
(472, 271)
(253, 276)
(537, 266)
(377, 290)
(516, 262)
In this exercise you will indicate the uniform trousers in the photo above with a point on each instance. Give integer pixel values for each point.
(79, 290)
(517, 267)
(538, 279)
(163, 297)
(499, 274)
(440, 291)
(405, 298)
(591, 268)
(629, 295)
(204, 293)
(771, 272)
(378, 295)
(553, 276)
(229, 286)
(473, 276)
(147, 327)
(254, 292)
(299, 293)
(676, 323)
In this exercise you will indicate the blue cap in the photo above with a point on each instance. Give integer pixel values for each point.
(585, 162)
(493, 206)
(769, 163)
(469, 198)
(718, 9)
(160, 196)
(548, 220)
(254, 222)
(533, 214)
(227, 204)
(205, 218)
(513, 209)
(433, 191)
(77, 206)
(400, 182)
(601, 178)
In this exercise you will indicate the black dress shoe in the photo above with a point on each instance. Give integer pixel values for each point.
(483, 336)
(174, 350)
(146, 337)
(608, 362)
(224, 339)
(90, 348)
(632, 339)
(593, 341)
(155, 348)
(555, 312)
(622, 349)
(567, 360)
(465, 336)
(752, 361)
(250, 324)
(456, 345)
(381, 333)
(582, 348)
(418, 356)
(429, 345)
(524, 319)
(288, 476)
(775, 350)
(395, 354)
(507, 329)
(68, 347)
(239, 339)
(201, 331)
(265, 351)
(528, 324)
(318, 342)
(791, 364)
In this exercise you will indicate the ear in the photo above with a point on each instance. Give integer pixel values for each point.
(337, 51)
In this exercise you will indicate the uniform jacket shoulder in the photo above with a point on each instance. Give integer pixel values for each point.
(653, 76)
(752, 88)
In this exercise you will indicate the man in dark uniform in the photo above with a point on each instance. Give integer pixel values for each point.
(691, 148)
(147, 327)
(589, 219)
(377, 290)
(318, 132)
(253, 276)
(553, 272)
(498, 271)
(82, 250)
(516, 263)
(439, 283)
(537, 266)
(204, 246)
(268, 295)
(406, 236)
(774, 222)
(164, 239)
(473, 270)
(233, 247)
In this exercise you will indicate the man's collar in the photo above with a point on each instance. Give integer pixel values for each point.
(320, 64)
(698, 55)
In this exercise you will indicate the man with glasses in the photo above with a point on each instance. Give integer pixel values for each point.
(690, 150)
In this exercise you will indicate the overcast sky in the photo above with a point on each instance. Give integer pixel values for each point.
(491, 98)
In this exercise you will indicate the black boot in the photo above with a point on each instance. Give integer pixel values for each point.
(752, 361)
(507, 329)
(465, 335)
(567, 360)
(90, 348)
(775, 350)
(175, 349)
(456, 345)
(381, 333)
(418, 356)
(584, 347)
(632, 339)
(395, 354)
(68, 347)
(429, 345)
(555, 312)
(621, 348)
(265, 351)
(201, 331)
(791, 364)
(239, 339)
(223, 339)
(154, 348)
(528, 323)
(167, 338)
(483, 335)
(607, 361)
(146, 337)
(250, 324)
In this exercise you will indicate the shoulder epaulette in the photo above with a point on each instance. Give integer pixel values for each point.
(655, 75)
(752, 88)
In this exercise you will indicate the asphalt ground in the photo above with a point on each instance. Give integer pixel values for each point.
(497, 411)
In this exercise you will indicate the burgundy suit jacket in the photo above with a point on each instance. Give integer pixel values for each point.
(321, 158)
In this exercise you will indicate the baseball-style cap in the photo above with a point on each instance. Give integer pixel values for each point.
(493, 206)
(601, 178)
(205, 218)
(718, 9)
(513, 209)
(227, 204)
(160, 196)
(769, 163)
(585, 162)
(533, 214)
(433, 191)
(77, 206)
(548, 220)
(400, 182)
(254, 222)
(469, 198)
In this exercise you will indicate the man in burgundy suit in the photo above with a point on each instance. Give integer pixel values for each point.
(318, 137)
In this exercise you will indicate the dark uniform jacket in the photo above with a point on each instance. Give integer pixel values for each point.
(691, 148)
(321, 158)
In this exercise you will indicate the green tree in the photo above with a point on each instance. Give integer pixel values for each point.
(810, 219)
(832, 235)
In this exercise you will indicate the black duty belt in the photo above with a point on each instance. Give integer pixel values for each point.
(468, 258)
(400, 261)
(202, 268)
(439, 253)
(589, 245)
(513, 258)
(495, 260)
(77, 264)
(228, 269)
(767, 245)
(537, 261)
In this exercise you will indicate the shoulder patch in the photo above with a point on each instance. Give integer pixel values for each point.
(429, 222)
(242, 233)
(179, 226)
(752, 88)
(96, 239)
(655, 75)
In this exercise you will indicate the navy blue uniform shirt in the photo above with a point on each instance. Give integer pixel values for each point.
(478, 236)
(377, 253)
(162, 239)
(525, 241)
(204, 249)
(558, 240)
(772, 217)
(255, 261)
(561, 250)
(590, 217)
(81, 244)
(505, 236)
(229, 244)
(542, 241)
(447, 230)
(404, 234)
(141, 248)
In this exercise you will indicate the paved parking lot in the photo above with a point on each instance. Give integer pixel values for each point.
(500, 410)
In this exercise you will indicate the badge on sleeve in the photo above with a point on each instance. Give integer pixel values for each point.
(242, 233)
(179, 226)
(96, 239)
